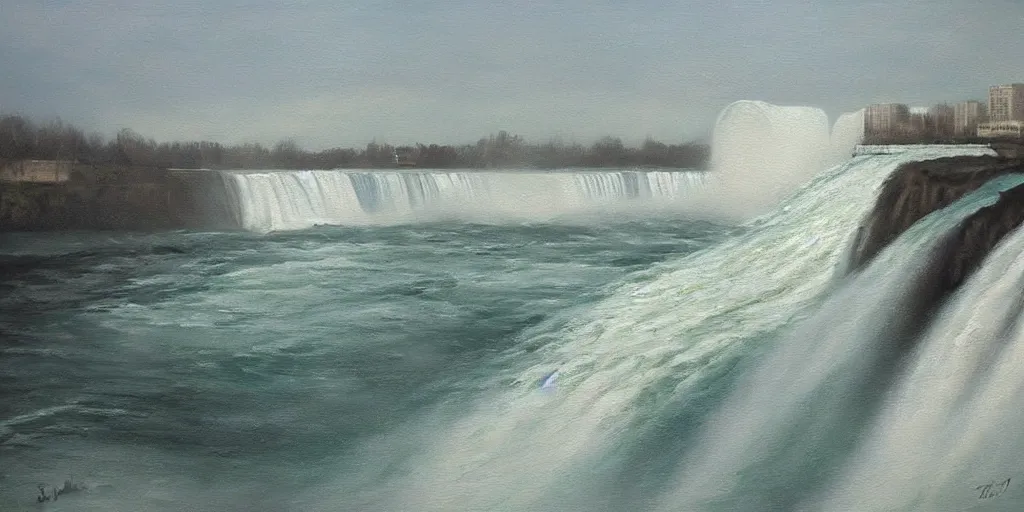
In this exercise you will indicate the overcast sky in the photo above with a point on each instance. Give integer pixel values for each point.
(330, 73)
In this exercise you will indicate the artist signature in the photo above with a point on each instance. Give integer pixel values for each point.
(993, 489)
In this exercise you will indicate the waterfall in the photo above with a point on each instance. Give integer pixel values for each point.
(949, 435)
(657, 351)
(285, 200)
(797, 413)
(293, 200)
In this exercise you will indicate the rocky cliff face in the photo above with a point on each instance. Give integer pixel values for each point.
(958, 256)
(975, 238)
(117, 199)
(38, 206)
(919, 188)
(201, 200)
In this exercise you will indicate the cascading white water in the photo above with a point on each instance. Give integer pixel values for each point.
(289, 200)
(801, 407)
(283, 200)
(949, 437)
(522, 449)
(761, 153)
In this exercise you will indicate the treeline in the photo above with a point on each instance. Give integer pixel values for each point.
(20, 138)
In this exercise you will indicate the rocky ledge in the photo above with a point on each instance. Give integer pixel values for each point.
(918, 188)
(978, 235)
(115, 198)
(912, 192)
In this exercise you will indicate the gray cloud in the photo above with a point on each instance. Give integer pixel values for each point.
(453, 71)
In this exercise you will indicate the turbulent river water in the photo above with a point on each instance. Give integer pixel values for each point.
(226, 371)
(605, 344)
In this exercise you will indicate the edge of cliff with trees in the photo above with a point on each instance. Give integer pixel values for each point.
(21, 138)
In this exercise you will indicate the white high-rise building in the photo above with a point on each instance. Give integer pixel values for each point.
(1006, 102)
(966, 117)
(886, 118)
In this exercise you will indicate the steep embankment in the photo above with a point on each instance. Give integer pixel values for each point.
(919, 188)
(978, 235)
(43, 207)
(116, 198)
(201, 200)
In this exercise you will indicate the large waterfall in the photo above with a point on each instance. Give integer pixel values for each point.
(641, 369)
(773, 435)
(538, 341)
(284, 200)
(760, 154)
(949, 434)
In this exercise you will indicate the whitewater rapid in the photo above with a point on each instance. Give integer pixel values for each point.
(668, 342)
(661, 340)
(428, 351)
(794, 417)
(948, 435)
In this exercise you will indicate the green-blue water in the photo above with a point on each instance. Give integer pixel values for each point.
(221, 370)
(558, 342)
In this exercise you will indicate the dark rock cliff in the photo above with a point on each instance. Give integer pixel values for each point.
(44, 206)
(118, 199)
(954, 259)
(202, 200)
(919, 188)
(977, 235)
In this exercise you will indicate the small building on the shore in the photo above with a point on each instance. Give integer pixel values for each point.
(37, 171)
(405, 156)
(1001, 129)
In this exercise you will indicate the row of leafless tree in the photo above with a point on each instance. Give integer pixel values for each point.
(21, 138)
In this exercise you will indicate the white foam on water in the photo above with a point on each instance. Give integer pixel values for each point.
(518, 448)
(795, 404)
(952, 423)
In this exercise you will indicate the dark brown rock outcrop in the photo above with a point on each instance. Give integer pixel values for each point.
(976, 236)
(1008, 149)
(956, 255)
(919, 188)
(118, 198)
